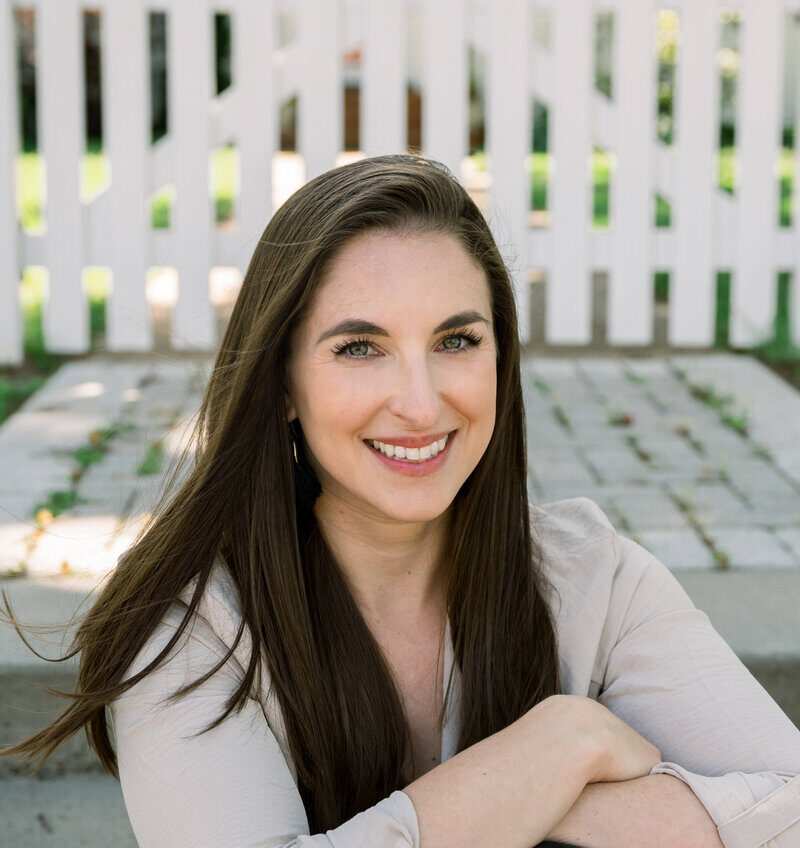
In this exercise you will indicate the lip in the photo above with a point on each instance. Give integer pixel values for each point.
(415, 469)
(412, 441)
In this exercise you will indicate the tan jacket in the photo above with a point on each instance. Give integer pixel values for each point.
(628, 635)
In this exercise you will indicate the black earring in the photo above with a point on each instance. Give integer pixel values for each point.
(306, 483)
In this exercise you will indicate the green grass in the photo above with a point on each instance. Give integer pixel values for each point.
(726, 179)
(13, 393)
(33, 292)
(602, 168)
(95, 177)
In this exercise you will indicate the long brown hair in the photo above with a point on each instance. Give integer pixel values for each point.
(238, 502)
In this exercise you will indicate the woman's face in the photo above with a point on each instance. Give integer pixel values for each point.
(424, 370)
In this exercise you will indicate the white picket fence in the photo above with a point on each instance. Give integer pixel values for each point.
(711, 230)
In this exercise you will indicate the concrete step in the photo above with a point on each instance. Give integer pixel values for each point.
(79, 811)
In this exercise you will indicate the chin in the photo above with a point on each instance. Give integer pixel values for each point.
(414, 513)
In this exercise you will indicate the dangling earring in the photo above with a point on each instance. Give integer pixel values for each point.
(306, 483)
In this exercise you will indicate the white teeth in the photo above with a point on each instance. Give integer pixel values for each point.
(410, 454)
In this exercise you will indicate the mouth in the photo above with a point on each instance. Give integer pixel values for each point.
(417, 464)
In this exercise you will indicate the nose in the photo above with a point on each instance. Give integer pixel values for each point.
(415, 394)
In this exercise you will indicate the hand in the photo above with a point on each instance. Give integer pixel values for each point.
(621, 752)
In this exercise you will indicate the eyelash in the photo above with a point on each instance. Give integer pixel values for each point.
(472, 337)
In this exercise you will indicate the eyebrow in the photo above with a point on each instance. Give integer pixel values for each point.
(357, 326)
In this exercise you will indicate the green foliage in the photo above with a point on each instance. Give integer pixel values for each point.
(661, 286)
(663, 212)
(15, 391)
(153, 461)
(58, 501)
(602, 163)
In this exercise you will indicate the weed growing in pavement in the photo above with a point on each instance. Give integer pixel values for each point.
(561, 417)
(154, 459)
(620, 418)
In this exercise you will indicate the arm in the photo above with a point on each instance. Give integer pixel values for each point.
(509, 789)
(232, 787)
(673, 678)
(654, 811)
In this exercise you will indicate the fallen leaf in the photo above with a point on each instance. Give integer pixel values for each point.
(44, 517)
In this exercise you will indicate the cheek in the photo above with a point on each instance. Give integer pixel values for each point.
(473, 391)
(336, 400)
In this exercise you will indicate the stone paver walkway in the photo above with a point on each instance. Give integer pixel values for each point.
(84, 459)
(695, 457)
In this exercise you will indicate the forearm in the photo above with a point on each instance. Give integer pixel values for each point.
(509, 789)
(654, 811)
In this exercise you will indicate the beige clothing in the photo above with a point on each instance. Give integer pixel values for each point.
(628, 634)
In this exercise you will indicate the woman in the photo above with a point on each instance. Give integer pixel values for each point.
(348, 622)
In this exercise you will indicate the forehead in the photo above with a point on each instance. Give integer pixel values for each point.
(430, 271)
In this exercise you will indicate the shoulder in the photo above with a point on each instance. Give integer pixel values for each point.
(572, 525)
(220, 608)
(209, 633)
(579, 553)
(605, 585)
(598, 566)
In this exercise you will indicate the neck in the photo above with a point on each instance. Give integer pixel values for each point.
(394, 570)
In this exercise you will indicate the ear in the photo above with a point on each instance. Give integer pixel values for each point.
(291, 413)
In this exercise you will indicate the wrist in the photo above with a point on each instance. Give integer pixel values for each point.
(570, 721)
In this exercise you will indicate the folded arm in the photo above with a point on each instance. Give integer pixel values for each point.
(673, 678)
(654, 811)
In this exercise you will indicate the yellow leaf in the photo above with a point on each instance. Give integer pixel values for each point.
(44, 517)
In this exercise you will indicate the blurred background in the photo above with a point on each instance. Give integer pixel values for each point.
(638, 165)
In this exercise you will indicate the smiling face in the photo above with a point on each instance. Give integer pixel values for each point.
(417, 375)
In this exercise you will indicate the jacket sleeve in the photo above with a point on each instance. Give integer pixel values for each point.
(674, 679)
(229, 787)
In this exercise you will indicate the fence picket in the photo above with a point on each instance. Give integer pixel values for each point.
(508, 116)
(320, 106)
(383, 78)
(753, 288)
(10, 316)
(127, 138)
(60, 112)
(692, 291)
(445, 123)
(189, 72)
(568, 319)
(255, 116)
(630, 300)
